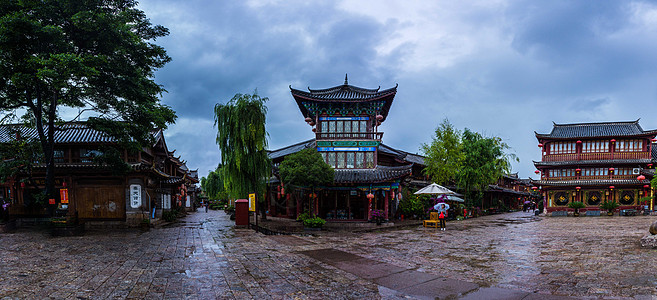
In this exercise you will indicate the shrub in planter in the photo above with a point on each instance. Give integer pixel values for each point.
(314, 222)
(576, 205)
(303, 216)
(609, 206)
(169, 215)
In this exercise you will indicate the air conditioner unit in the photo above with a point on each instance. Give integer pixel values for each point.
(636, 171)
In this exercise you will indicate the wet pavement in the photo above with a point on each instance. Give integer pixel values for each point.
(506, 256)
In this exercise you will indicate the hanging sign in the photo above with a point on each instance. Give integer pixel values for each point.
(135, 195)
(51, 201)
(251, 202)
(63, 195)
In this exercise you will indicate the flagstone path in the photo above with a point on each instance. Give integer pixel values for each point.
(507, 256)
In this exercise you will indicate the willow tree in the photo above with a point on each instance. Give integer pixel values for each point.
(65, 60)
(242, 139)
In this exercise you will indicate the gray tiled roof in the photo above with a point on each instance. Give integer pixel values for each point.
(591, 130)
(378, 174)
(71, 134)
(344, 93)
(497, 188)
(402, 155)
(279, 153)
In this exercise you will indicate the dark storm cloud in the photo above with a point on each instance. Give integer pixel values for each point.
(505, 68)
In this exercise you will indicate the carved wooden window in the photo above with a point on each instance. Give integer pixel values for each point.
(360, 160)
(597, 146)
(629, 146)
(593, 198)
(627, 198)
(562, 147)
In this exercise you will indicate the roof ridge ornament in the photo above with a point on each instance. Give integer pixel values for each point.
(346, 81)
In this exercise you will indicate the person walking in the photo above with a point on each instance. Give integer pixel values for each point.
(206, 206)
(442, 210)
(441, 218)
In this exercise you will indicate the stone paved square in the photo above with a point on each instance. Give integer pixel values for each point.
(204, 257)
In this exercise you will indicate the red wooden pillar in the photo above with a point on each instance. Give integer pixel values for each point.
(369, 208)
(386, 202)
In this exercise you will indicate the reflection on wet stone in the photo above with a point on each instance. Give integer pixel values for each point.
(204, 257)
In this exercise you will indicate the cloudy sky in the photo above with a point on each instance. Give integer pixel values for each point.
(502, 68)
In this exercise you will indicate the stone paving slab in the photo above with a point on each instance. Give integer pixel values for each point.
(205, 257)
(441, 288)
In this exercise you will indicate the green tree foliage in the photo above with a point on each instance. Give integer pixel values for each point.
(444, 155)
(466, 159)
(213, 186)
(306, 168)
(94, 57)
(484, 163)
(242, 139)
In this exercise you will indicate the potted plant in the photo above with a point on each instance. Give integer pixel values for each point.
(378, 216)
(609, 206)
(576, 205)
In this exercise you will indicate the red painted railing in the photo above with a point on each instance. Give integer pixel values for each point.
(596, 156)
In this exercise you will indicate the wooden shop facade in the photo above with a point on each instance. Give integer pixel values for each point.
(594, 162)
(92, 191)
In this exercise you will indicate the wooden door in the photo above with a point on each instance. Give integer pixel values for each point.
(100, 202)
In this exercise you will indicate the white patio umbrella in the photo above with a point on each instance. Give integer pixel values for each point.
(435, 189)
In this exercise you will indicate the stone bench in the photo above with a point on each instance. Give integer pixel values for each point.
(560, 213)
(592, 213)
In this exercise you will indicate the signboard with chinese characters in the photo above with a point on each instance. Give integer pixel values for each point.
(63, 195)
(135, 195)
(252, 202)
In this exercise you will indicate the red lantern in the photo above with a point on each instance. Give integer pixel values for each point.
(540, 145)
(282, 191)
(611, 187)
(370, 196)
(64, 184)
(611, 169)
(578, 188)
(654, 140)
(23, 184)
(613, 141)
(641, 177)
(537, 171)
(578, 170)
(649, 165)
(379, 117)
(309, 119)
(646, 186)
(534, 188)
(579, 142)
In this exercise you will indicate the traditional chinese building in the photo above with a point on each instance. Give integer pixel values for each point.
(91, 190)
(594, 162)
(368, 173)
(509, 191)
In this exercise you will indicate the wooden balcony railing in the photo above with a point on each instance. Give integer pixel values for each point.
(597, 177)
(596, 156)
(349, 136)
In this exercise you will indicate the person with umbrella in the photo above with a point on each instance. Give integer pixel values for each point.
(441, 208)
